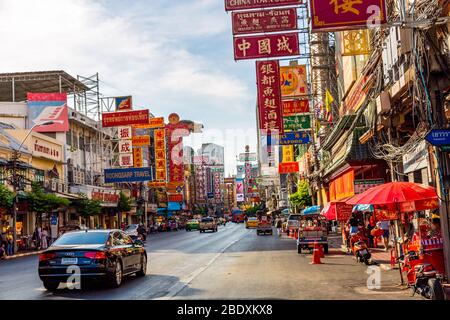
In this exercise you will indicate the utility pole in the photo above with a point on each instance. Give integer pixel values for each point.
(15, 183)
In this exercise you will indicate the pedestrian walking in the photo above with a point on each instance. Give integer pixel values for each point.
(278, 225)
(384, 225)
(370, 226)
(10, 246)
(44, 239)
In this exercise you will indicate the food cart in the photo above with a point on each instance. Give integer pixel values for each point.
(312, 229)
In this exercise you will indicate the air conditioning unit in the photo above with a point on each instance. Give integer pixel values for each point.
(54, 185)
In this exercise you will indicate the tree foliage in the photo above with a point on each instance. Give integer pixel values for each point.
(301, 198)
(124, 204)
(41, 202)
(6, 197)
(87, 207)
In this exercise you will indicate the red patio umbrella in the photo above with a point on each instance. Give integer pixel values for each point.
(393, 193)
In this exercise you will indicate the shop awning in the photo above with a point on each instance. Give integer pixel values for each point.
(337, 210)
(311, 210)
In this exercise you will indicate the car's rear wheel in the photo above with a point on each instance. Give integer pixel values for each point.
(143, 271)
(114, 279)
(51, 285)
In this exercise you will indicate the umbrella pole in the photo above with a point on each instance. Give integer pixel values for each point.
(397, 250)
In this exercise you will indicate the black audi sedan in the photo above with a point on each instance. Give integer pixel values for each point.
(92, 255)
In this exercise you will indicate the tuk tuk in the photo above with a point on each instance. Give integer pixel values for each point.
(312, 229)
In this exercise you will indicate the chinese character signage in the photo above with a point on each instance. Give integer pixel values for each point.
(301, 137)
(115, 119)
(298, 122)
(288, 153)
(266, 46)
(126, 160)
(46, 107)
(160, 154)
(355, 42)
(125, 146)
(123, 103)
(175, 131)
(264, 21)
(137, 157)
(124, 133)
(141, 141)
(293, 107)
(288, 167)
(128, 175)
(231, 5)
(152, 124)
(293, 81)
(346, 14)
(269, 95)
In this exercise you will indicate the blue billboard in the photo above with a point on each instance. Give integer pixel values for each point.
(128, 175)
(288, 138)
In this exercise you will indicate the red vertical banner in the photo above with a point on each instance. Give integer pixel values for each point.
(175, 131)
(269, 95)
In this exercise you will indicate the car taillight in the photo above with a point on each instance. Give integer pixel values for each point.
(97, 255)
(47, 256)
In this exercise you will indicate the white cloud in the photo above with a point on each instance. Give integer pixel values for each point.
(147, 50)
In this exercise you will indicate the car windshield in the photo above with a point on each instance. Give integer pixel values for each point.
(207, 220)
(131, 227)
(81, 238)
(296, 217)
(252, 219)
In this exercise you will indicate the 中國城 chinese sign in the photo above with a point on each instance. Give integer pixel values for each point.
(269, 95)
(346, 14)
(266, 46)
(254, 4)
(264, 21)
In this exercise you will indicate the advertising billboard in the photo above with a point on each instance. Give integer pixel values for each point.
(128, 175)
(260, 21)
(115, 119)
(300, 137)
(297, 122)
(46, 107)
(292, 107)
(123, 103)
(344, 14)
(293, 81)
(141, 141)
(288, 167)
(153, 123)
(266, 46)
(269, 95)
(231, 5)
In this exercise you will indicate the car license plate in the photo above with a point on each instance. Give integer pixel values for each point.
(69, 260)
(364, 251)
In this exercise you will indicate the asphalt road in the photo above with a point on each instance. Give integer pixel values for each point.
(233, 263)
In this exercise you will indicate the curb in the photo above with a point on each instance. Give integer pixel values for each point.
(20, 255)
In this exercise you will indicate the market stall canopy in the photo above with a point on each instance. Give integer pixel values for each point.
(394, 192)
(312, 210)
(389, 199)
(337, 210)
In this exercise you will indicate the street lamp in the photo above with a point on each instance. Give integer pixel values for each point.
(15, 180)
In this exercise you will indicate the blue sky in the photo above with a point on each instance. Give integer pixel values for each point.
(171, 55)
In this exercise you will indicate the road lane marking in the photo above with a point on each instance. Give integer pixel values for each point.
(183, 283)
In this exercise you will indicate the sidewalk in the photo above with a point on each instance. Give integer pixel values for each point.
(23, 254)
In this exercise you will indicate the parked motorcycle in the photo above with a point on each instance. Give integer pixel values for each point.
(360, 249)
(422, 276)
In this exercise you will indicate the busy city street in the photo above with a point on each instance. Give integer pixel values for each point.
(234, 263)
(172, 150)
